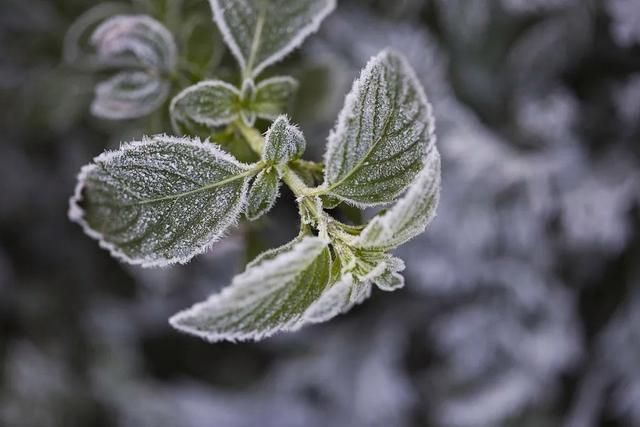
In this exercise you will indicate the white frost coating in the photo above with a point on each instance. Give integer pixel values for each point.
(150, 43)
(128, 95)
(259, 33)
(128, 199)
(273, 96)
(383, 133)
(211, 103)
(331, 303)
(270, 296)
(410, 215)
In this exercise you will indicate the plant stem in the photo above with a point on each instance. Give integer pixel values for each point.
(251, 135)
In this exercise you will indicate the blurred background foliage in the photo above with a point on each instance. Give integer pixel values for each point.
(522, 304)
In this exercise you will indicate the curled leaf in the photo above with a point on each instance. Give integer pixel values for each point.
(383, 134)
(270, 296)
(161, 200)
(127, 95)
(135, 40)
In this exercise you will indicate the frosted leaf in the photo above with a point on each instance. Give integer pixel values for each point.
(410, 215)
(263, 194)
(269, 297)
(273, 96)
(161, 200)
(211, 103)
(261, 32)
(129, 94)
(135, 40)
(383, 134)
(283, 142)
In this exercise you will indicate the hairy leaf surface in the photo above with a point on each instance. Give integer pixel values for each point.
(410, 215)
(283, 142)
(261, 32)
(270, 296)
(383, 134)
(161, 200)
(211, 103)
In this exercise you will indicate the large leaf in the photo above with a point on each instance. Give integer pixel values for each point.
(211, 103)
(410, 215)
(128, 95)
(382, 136)
(272, 295)
(135, 40)
(161, 200)
(261, 32)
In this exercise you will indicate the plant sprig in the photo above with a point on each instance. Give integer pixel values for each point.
(163, 200)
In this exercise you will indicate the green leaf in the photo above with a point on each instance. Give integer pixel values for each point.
(410, 215)
(272, 295)
(211, 103)
(263, 193)
(128, 95)
(383, 134)
(161, 200)
(135, 40)
(261, 32)
(273, 96)
(283, 142)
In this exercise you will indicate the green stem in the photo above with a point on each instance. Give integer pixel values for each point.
(251, 135)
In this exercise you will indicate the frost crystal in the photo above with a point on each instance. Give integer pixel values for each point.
(161, 200)
(383, 134)
(260, 33)
(271, 295)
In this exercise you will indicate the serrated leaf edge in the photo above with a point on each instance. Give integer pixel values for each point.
(76, 213)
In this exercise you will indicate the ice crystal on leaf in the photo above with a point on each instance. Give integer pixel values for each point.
(283, 142)
(210, 103)
(161, 200)
(263, 194)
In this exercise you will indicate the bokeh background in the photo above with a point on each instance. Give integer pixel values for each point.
(522, 303)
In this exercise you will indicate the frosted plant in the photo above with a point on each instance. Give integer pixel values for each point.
(162, 199)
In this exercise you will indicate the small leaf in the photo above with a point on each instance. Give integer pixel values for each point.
(135, 40)
(283, 142)
(273, 96)
(128, 95)
(263, 194)
(261, 32)
(382, 136)
(410, 215)
(211, 103)
(270, 296)
(161, 200)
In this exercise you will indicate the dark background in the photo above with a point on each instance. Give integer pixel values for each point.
(522, 304)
